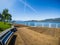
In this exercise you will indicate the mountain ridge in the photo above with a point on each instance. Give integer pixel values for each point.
(46, 20)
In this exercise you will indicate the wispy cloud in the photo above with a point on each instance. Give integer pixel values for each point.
(29, 6)
(43, 9)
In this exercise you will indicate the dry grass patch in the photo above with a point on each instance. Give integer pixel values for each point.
(31, 37)
(20, 25)
(48, 31)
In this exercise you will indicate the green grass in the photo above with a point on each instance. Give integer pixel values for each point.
(4, 26)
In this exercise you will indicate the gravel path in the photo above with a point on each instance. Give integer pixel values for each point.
(25, 36)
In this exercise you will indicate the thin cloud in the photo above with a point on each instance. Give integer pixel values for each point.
(26, 4)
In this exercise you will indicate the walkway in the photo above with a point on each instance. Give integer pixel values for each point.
(25, 36)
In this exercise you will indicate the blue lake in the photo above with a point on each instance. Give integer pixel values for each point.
(40, 24)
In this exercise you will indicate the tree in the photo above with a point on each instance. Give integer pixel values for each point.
(10, 17)
(0, 17)
(6, 15)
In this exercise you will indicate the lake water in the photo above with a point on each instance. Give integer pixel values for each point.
(40, 24)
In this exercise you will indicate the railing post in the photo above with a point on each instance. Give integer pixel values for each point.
(34, 24)
(25, 23)
(49, 25)
(56, 25)
(28, 23)
(42, 24)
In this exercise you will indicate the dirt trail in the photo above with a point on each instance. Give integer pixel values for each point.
(26, 36)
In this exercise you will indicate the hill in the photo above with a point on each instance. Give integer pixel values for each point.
(46, 20)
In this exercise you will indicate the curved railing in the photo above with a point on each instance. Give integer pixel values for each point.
(6, 35)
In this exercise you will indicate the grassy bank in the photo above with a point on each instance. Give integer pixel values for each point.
(4, 26)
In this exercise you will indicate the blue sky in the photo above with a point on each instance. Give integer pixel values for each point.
(31, 9)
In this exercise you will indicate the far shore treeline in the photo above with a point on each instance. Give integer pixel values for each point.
(5, 16)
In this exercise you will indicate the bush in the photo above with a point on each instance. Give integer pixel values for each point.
(4, 26)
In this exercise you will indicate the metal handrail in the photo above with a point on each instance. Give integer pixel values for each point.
(5, 35)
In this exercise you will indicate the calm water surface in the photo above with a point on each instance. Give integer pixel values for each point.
(41, 24)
